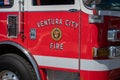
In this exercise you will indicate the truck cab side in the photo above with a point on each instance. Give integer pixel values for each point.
(59, 40)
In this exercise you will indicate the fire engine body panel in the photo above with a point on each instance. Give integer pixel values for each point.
(59, 40)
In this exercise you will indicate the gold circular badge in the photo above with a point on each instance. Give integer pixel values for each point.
(56, 34)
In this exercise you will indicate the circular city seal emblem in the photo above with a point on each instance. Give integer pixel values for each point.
(56, 34)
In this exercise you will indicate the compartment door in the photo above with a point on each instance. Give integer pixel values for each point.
(55, 32)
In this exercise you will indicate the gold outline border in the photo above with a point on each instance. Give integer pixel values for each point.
(53, 36)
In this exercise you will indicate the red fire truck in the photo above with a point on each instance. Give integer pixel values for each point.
(59, 40)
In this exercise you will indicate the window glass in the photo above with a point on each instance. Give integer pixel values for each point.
(103, 4)
(6, 3)
(52, 2)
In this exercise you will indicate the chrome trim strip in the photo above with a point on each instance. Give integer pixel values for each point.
(96, 19)
(19, 14)
(27, 54)
(109, 13)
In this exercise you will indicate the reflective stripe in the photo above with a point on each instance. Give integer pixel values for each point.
(100, 65)
(57, 62)
(69, 63)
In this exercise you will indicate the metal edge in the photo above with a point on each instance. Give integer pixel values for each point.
(109, 13)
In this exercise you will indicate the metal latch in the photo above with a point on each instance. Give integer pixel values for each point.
(33, 33)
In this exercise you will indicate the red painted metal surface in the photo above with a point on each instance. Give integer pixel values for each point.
(77, 41)
(69, 36)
